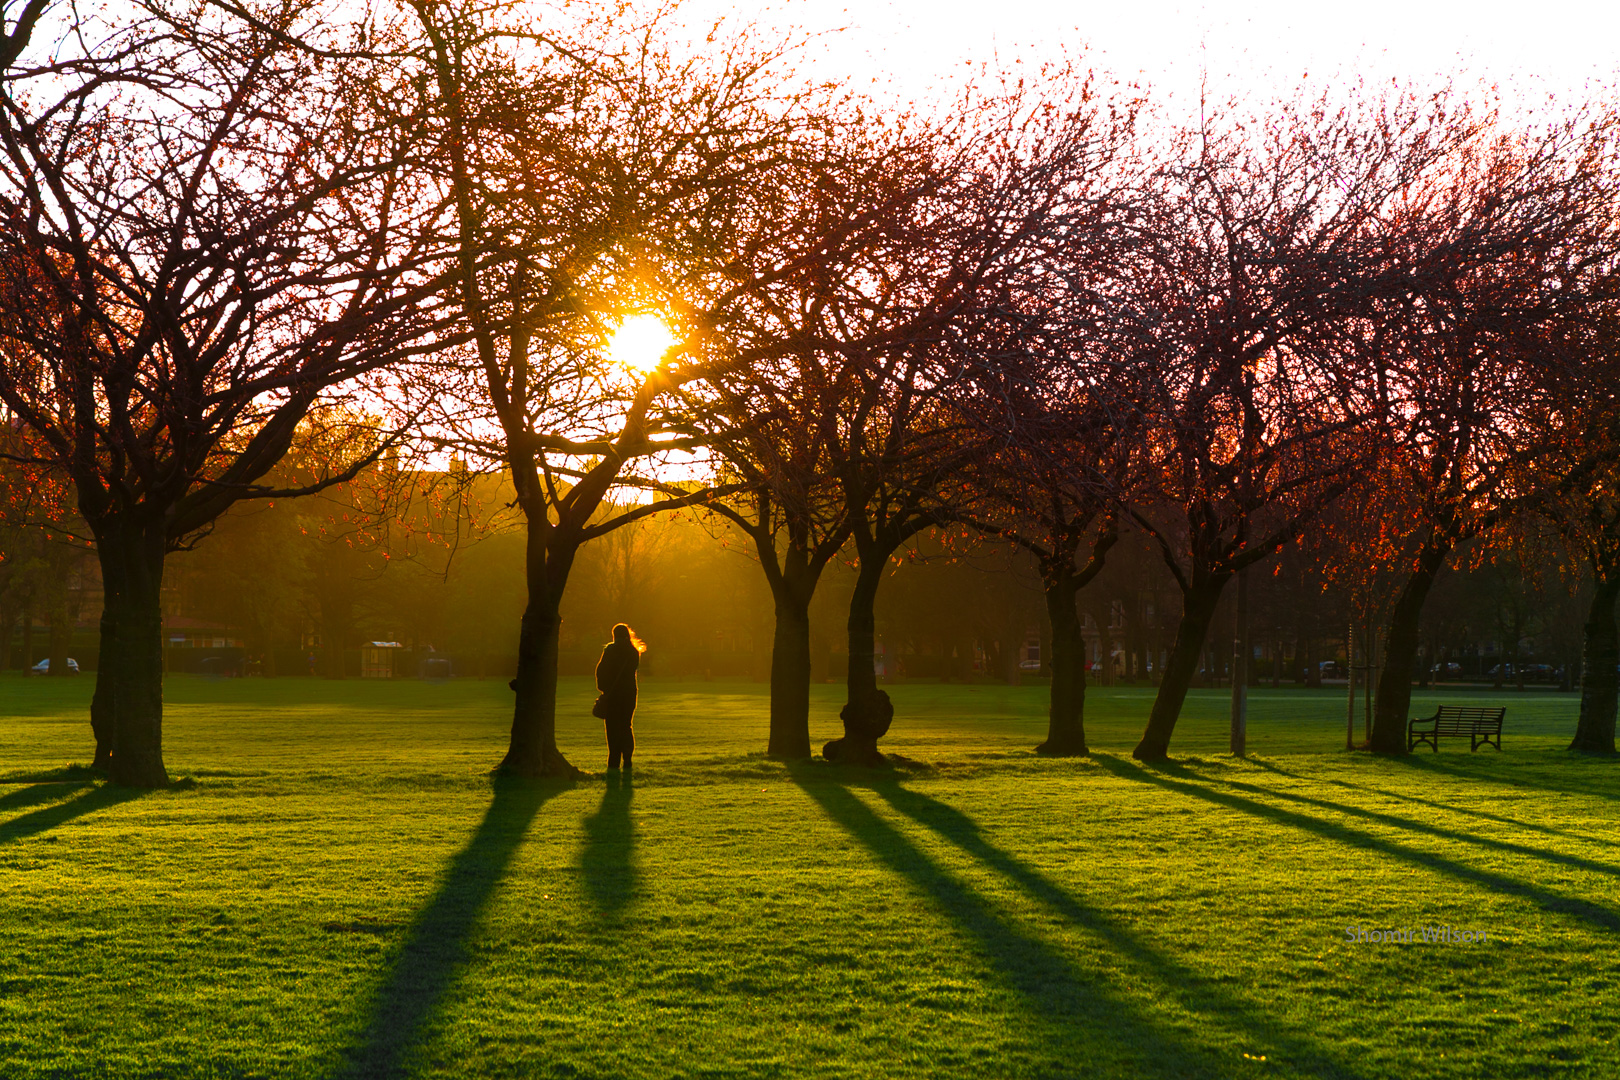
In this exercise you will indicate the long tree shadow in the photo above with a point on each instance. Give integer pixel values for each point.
(435, 947)
(76, 774)
(1573, 861)
(1191, 784)
(1083, 1008)
(34, 794)
(607, 861)
(90, 799)
(1435, 804)
(1572, 767)
(1180, 981)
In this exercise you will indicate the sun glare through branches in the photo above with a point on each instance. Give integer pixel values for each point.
(641, 343)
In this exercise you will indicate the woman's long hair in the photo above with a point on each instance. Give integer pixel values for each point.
(623, 635)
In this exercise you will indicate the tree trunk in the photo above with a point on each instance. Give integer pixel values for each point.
(1600, 686)
(792, 577)
(1066, 715)
(861, 678)
(1198, 609)
(532, 750)
(868, 712)
(1045, 647)
(790, 679)
(1394, 700)
(131, 555)
(102, 724)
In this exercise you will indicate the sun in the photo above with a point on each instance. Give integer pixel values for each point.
(640, 343)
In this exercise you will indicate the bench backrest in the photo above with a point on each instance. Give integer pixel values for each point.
(1463, 718)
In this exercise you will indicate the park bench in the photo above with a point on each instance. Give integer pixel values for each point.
(1482, 726)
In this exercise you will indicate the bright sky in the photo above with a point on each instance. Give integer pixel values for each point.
(1245, 45)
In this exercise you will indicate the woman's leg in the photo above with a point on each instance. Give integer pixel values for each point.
(613, 744)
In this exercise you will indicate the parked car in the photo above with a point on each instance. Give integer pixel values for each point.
(1531, 672)
(220, 666)
(1331, 669)
(44, 666)
(1451, 670)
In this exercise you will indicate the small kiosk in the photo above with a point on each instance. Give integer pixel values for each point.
(377, 659)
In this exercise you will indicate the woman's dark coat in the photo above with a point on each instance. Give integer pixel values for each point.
(616, 677)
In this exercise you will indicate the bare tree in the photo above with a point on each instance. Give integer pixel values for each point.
(1252, 293)
(1070, 457)
(1057, 494)
(207, 225)
(776, 305)
(797, 526)
(1572, 486)
(1488, 260)
(913, 238)
(581, 176)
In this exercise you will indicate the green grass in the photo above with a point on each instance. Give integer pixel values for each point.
(338, 889)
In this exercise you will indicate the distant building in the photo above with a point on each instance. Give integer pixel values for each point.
(181, 632)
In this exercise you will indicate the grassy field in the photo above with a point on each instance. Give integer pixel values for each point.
(336, 888)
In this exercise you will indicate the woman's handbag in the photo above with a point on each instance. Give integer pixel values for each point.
(599, 710)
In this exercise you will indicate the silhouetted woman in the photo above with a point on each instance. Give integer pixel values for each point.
(616, 679)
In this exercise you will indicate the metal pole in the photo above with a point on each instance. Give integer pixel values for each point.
(1350, 670)
(1240, 668)
(1370, 652)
